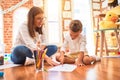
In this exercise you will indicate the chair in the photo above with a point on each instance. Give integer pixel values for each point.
(101, 33)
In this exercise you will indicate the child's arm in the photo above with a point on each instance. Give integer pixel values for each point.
(63, 50)
(62, 57)
(79, 60)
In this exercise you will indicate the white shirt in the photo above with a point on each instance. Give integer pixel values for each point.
(76, 45)
(23, 37)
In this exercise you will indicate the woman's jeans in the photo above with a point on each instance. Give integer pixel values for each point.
(20, 53)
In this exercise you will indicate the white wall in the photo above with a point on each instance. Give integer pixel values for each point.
(82, 11)
(19, 16)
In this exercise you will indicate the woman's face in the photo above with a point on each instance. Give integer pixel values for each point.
(39, 20)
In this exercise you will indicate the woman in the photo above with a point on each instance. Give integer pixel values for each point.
(28, 36)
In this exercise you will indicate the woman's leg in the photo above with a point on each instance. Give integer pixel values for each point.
(20, 53)
(52, 49)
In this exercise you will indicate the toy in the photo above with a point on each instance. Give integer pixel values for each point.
(109, 21)
(1, 74)
(118, 53)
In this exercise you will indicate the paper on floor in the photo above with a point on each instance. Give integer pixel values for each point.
(64, 67)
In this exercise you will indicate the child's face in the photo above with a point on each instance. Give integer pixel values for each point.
(74, 35)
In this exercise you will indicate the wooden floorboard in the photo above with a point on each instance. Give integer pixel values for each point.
(107, 69)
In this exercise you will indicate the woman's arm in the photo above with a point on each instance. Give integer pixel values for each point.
(49, 60)
(27, 39)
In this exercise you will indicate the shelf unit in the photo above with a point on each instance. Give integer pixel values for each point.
(100, 35)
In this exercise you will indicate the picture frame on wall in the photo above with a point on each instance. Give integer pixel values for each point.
(67, 14)
(66, 24)
(67, 5)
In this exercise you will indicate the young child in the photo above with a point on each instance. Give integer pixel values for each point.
(76, 43)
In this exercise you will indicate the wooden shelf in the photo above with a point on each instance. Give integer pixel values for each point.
(106, 29)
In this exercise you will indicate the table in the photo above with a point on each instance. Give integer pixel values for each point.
(103, 42)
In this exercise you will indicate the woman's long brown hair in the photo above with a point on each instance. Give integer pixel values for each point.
(31, 15)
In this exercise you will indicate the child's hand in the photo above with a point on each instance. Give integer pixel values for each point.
(61, 58)
(79, 63)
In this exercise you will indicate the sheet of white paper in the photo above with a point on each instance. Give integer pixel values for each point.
(64, 67)
(8, 65)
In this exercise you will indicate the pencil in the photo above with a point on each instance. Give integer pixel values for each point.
(43, 55)
(62, 63)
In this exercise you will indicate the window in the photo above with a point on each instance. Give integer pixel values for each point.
(53, 19)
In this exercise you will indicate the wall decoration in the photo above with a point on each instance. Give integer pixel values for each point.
(66, 24)
(67, 14)
(67, 5)
(65, 33)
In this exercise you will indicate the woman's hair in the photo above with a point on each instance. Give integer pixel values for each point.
(75, 25)
(31, 16)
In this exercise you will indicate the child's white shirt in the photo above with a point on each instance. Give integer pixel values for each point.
(79, 44)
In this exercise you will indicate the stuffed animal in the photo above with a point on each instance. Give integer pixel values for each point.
(109, 21)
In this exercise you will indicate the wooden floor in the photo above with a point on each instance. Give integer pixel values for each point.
(107, 69)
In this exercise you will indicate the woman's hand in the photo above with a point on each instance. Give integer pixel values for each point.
(50, 61)
(40, 46)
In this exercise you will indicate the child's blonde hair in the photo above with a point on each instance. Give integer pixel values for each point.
(75, 25)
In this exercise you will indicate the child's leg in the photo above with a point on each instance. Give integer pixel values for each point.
(97, 58)
(67, 59)
(87, 60)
